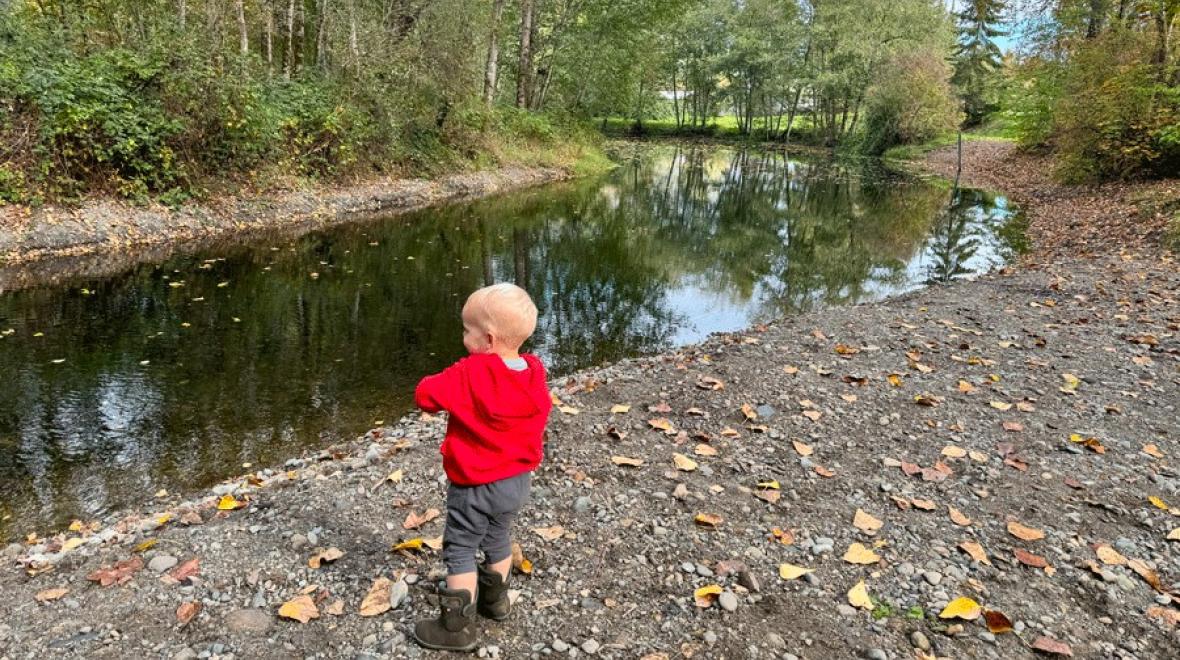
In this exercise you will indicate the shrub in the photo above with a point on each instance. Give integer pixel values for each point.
(912, 102)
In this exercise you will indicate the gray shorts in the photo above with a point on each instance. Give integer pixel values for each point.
(480, 518)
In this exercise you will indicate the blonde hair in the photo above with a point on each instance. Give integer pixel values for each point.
(504, 310)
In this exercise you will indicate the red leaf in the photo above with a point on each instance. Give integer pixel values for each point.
(187, 611)
(1029, 559)
(117, 574)
(1052, 647)
(183, 572)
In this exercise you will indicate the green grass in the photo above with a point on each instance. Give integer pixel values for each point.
(723, 127)
(997, 130)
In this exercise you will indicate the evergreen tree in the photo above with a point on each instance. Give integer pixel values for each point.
(977, 57)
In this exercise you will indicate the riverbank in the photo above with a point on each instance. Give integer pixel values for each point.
(946, 416)
(52, 244)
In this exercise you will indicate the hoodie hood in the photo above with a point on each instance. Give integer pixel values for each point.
(508, 396)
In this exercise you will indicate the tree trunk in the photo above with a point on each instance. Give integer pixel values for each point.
(1094, 20)
(301, 38)
(524, 75)
(289, 60)
(182, 10)
(243, 34)
(269, 36)
(492, 68)
(354, 49)
(675, 98)
(321, 37)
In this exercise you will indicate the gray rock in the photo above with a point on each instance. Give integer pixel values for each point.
(298, 541)
(710, 637)
(728, 601)
(907, 569)
(776, 641)
(876, 654)
(933, 577)
(920, 640)
(592, 604)
(560, 646)
(846, 610)
(12, 550)
(766, 411)
(591, 646)
(252, 621)
(688, 567)
(582, 504)
(397, 595)
(987, 636)
(161, 563)
(186, 653)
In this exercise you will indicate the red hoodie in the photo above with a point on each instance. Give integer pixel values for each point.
(497, 417)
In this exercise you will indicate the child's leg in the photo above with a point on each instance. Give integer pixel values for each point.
(465, 530)
(510, 495)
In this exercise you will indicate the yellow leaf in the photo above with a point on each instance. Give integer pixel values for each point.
(324, 557)
(1159, 504)
(858, 596)
(1000, 405)
(300, 608)
(623, 460)
(1110, 556)
(866, 522)
(1152, 450)
(894, 380)
(1174, 535)
(703, 449)
(661, 424)
(706, 595)
(145, 546)
(961, 608)
(71, 544)
(707, 519)
(228, 503)
(976, 552)
(977, 456)
(395, 476)
(76, 526)
(620, 409)
(406, 546)
(793, 572)
(1025, 533)
(569, 410)
(966, 388)
(377, 600)
(952, 451)
(684, 463)
(772, 484)
(1071, 382)
(859, 554)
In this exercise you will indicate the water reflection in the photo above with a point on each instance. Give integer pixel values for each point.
(174, 375)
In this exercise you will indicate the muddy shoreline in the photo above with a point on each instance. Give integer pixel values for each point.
(51, 245)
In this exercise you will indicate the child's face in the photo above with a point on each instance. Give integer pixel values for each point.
(476, 339)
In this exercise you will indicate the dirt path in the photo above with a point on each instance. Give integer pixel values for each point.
(959, 419)
(49, 245)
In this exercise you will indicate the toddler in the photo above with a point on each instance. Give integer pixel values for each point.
(498, 403)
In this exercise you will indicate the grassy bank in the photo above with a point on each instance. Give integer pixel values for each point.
(725, 128)
(991, 132)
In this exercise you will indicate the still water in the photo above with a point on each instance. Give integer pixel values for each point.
(172, 375)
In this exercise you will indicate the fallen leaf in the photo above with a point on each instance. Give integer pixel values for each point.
(977, 456)
(660, 424)
(187, 611)
(1109, 555)
(1025, 406)
(706, 595)
(859, 554)
(952, 451)
(858, 596)
(395, 476)
(519, 562)
(790, 371)
(229, 503)
(729, 432)
(961, 608)
(1000, 405)
(704, 450)
(925, 505)
(957, 517)
(928, 400)
(1029, 559)
(1071, 383)
(568, 410)
(1168, 615)
(324, 557)
(793, 572)
(866, 522)
(620, 409)
(1157, 503)
(975, 551)
(414, 521)
(550, 533)
(684, 463)
(846, 350)
(623, 460)
(414, 544)
(1149, 576)
(1013, 427)
(707, 519)
(1052, 646)
(813, 415)
(49, 595)
(966, 388)
(749, 412)
(1025, 533)
(1152, 450)
(1090, 443)
(336, 608)
(997, 622)
(118, 574)
(801, 448)
(771, 496)
(435, 543)
(894, 380)
(300, 608)
(910, 469)
(377, 600)
(823, 471)
(784, 536)
(1174, 535)
(849, 398)
(710, 383)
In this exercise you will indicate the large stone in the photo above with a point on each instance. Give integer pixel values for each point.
(249, 621)
(161, 563)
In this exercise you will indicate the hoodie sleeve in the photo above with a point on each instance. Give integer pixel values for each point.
(437, 392)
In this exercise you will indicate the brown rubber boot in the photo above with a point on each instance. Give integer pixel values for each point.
(453, 629)
(493, 602)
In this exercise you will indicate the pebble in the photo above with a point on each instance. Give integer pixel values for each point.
(821, 545)
(161, 563)
(775, 640)
(987, 636)
(710, 637)
(398, 594)
(582, 504)
(846, 610)
(249, 621)
(298, 541)
(933, 577)
(688, 567)
(186, 653)
(876, 654)
(728, 601)
(560, 646)
(12, 550)
(920, 640)
(590, 646)
(907, 569)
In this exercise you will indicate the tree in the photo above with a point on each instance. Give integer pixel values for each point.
(978, 58)
(524, 72)
(491, 68)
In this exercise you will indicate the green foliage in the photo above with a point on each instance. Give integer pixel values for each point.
(911, 103)
(978, 58)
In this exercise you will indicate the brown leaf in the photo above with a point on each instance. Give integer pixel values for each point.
(1012, 461)
(997, 622)
(325, 557)
(975, 551)
(1025, 533)
(300, 608)
(550, 533)
(803, 449)
(710, 383)
(957, 517)
(117, 574)
(823, 471)
(336, 608)
(624, 460)
(1109, 555)
(1013, 427)
(910, 469)
(377, 600)
(1168, 615)
(187, 611)
(866, 522)
(1052, 647)
(414, 521)
(771, 496)
(1029, 559)
(183, 572)
(925, 505)
(813, 415)
(519, 562)
(707, 519)
(1149, 576)
(1152, 450)
(660, 424)
(49, 595)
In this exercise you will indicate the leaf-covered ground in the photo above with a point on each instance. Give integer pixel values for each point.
(985, 470)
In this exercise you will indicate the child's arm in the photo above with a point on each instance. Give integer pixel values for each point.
(436, 392)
